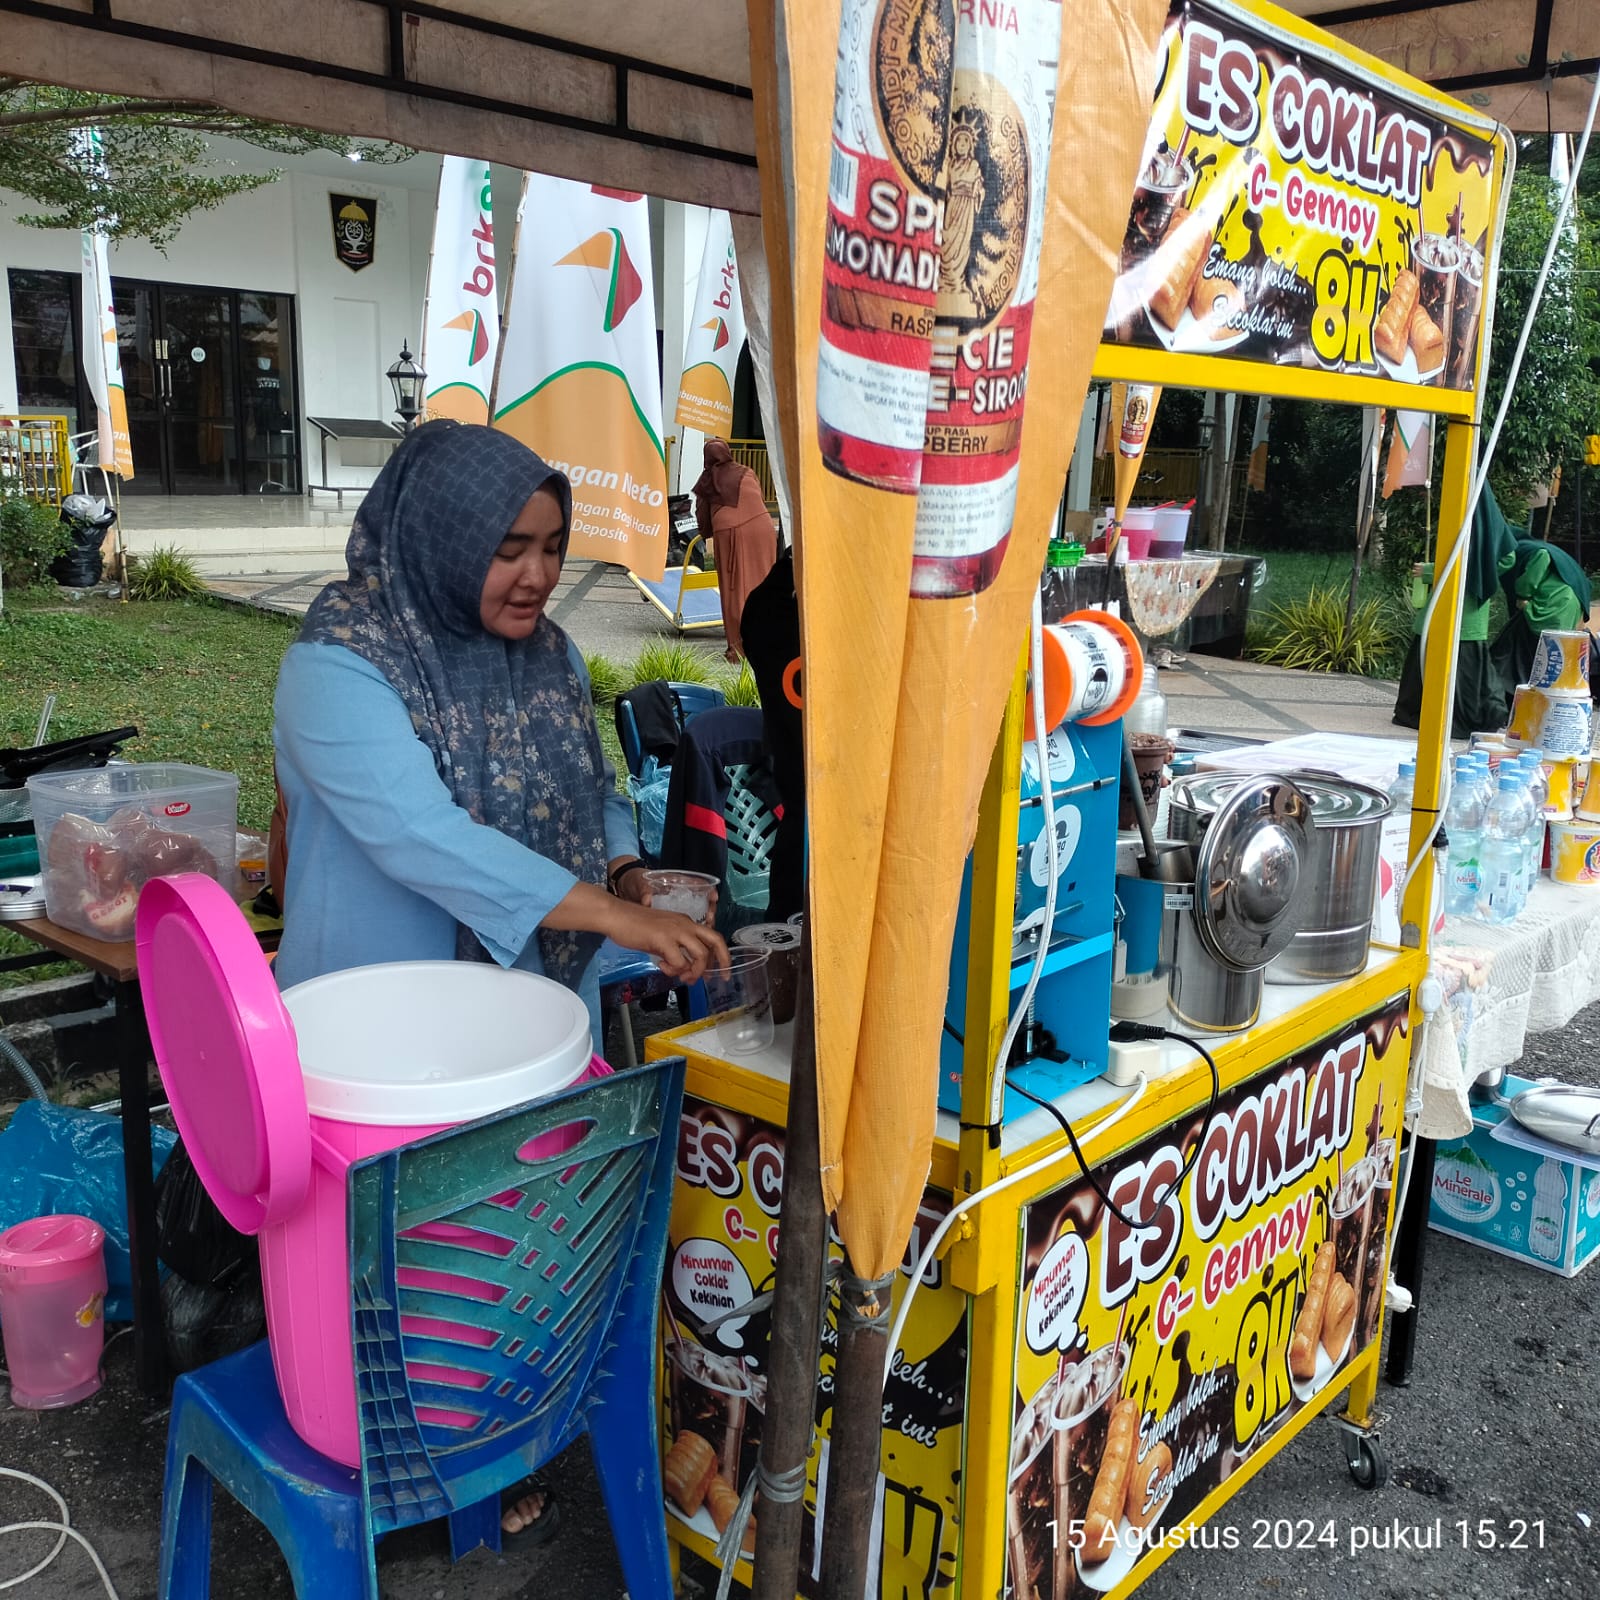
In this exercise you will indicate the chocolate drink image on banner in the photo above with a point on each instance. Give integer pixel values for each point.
(709, 1394)
(1084, 1398)
(1436, 260)
(1031, 1493)
(996, 169)
(882, 259)
(1464, 318)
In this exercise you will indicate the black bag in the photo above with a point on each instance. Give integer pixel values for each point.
(192, 1236)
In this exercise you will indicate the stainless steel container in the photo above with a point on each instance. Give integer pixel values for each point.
(1219, 932)
(1341, 868)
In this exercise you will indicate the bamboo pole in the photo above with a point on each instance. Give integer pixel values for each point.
(796, 1317)
(855, 1439)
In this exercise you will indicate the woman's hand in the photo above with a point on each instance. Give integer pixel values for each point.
(630, 880)
(681, 948)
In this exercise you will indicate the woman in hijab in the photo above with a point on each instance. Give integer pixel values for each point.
(1544, 588)
(438, 757)
(732, 513)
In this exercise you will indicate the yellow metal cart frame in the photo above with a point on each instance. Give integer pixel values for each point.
(986, 1258)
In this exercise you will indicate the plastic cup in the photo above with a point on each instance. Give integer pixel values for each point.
(687, 893)
(739, 1000)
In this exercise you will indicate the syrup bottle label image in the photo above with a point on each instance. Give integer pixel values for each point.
(996, 172)
(882, 259)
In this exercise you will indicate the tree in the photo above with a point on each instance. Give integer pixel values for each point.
(159, 166)
(1557, 396)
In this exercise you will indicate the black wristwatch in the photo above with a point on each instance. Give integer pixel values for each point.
(619, 873)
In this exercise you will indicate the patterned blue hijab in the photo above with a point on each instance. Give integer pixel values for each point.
(510, 727)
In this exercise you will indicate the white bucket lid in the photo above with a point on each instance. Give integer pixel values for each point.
(414, 1043)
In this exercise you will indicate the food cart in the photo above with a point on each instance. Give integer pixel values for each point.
(1159, 1295)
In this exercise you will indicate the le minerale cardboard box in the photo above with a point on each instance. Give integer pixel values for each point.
(1540, 1209)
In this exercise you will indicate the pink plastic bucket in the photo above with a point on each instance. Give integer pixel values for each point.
(305, 1276)
(52, 1309)
(277, 1094)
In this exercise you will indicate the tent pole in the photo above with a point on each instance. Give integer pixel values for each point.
(856, 1438)
(796, 1313)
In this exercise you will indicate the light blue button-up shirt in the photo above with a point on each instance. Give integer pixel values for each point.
(383, 863)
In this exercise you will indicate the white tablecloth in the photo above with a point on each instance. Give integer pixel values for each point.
(1528, 976)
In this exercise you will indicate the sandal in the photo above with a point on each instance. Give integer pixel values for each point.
(543, 1528)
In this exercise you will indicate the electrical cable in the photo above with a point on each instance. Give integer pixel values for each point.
(62, 1529)
(956, 1213)
(1189, 1160)
(1041, 745)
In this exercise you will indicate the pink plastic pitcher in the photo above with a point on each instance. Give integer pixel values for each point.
(52, 1309)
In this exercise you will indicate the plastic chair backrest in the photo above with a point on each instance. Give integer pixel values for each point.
(496, 1291)
(752, 830)
(690, 699)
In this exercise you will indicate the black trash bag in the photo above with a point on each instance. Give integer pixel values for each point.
(205, 1323)
(211, 1297)
(82, 565)
(193, 1237)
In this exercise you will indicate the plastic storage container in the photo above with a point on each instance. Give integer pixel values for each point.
(1138, 528)
(104, 833)
(52, 1309)
(276, 1096)
(1171, 533)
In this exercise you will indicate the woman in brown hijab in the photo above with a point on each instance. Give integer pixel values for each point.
(732, 513)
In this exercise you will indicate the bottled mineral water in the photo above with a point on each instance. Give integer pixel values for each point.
(1485, 778)
(1463, 822)
(1538, 794)
(1500, 861)
(1402, 792)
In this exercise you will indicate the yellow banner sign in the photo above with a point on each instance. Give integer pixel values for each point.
(1153, 1361)
(722, 1241)
(1296, 209)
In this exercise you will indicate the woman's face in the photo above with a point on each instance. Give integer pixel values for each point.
(522, 575)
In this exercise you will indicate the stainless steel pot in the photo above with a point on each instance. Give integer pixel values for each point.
(1218, 933)
(1341, 866)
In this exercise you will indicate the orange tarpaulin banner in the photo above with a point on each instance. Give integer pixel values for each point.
(944, 200)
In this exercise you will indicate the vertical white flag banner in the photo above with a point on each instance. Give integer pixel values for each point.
(461, 314)
(579, 377)
(716, 336)
(102, 360)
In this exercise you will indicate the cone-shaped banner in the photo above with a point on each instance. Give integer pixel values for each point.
(964, 207)
(461, 316)
(579, 380)
(1136, 413)
(102, 357)
(716, 336)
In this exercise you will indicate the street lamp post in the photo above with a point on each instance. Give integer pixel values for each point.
(406, 379)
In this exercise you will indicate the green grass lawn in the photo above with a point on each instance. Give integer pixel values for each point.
(195, 678)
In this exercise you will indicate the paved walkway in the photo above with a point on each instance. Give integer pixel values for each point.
(605, 614)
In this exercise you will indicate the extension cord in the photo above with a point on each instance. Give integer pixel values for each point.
(1128, 1058)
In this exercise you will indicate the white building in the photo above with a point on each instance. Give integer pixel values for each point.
(250, 324)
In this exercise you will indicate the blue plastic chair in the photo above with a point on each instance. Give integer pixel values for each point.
(502, 1305)
(693, 698)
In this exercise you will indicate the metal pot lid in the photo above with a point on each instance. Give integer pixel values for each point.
(1561, 1113)
(1250, 878)
(1335, 802)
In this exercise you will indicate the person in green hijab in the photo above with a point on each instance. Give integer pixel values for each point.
(1480, 698)
(1545, 589)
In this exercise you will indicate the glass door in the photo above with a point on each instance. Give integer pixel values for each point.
(200, 358)
(210, 383)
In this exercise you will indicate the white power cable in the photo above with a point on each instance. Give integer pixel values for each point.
(1486, 455)
(1118, 1112)
(62, 1529)
(1041, 745)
